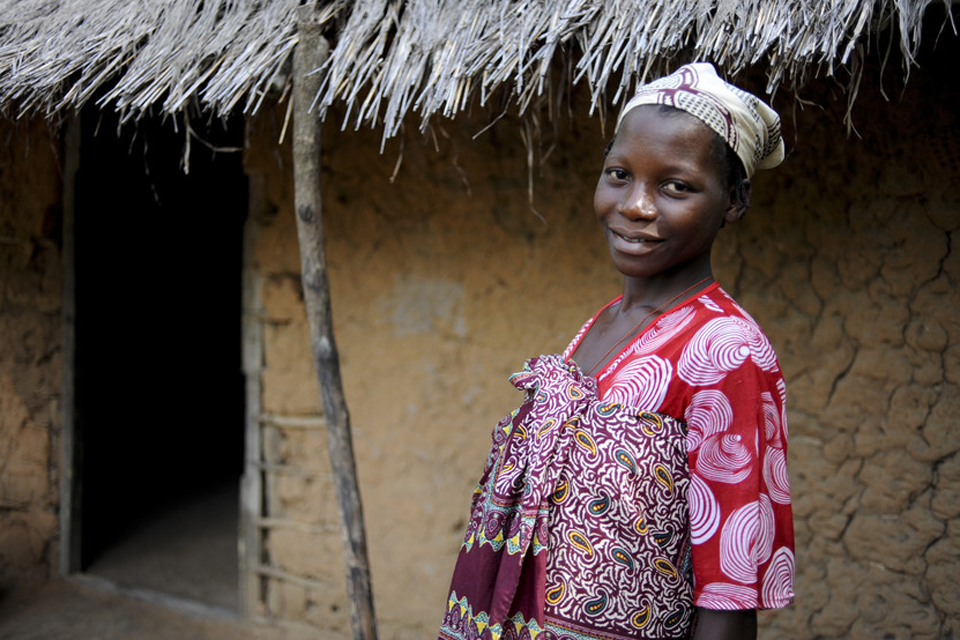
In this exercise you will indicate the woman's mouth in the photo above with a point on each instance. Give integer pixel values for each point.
(636, 239)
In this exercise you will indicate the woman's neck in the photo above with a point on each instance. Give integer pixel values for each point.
(663, 289)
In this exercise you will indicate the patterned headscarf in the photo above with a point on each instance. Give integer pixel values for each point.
(744, 121)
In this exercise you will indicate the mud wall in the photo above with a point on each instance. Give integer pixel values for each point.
(444, 279)
(30, 348)
(851, 266)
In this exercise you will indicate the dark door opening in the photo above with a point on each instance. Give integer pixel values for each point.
(159, 410)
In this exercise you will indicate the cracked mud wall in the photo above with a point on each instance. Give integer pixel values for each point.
(30, 347)
(444, 281)
(852, 267)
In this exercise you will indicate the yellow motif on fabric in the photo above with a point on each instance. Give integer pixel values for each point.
(599, 506)
(481, 620)
(621, 556)
(641, 525)
(555, 594)
(584, 440)
(623, 457)
(663, 476)
(531, 625)
(547, 427)
(608, 408)
(665, 567)
(561, 492)
(514, 544)
(580, 541)
(641, 619)
(663, 539)
(652, 423)
(537, 544)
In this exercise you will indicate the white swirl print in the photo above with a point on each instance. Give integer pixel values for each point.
(775, 475)
(760, 349)
(704, 511)
(782, 391)
(746, 540)
(768, 529)
(721, 346)
(725, 458)
(641, 383)
(723, 595)
(777, 588)
(709, 304)
(771, 420)
(708, 413)
(666, 327)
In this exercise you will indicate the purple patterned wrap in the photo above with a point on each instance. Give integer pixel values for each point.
(579, 526)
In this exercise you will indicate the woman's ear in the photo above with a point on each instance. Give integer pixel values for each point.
(739, 201)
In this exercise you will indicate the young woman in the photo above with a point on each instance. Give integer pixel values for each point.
(640, 490)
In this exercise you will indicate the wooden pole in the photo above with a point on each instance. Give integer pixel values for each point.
(308, 56)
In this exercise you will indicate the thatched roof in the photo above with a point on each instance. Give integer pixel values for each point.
(391, 57)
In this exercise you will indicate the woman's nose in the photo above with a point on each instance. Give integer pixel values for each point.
(638, 204)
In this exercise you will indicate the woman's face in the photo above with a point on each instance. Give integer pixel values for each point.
(662, 196)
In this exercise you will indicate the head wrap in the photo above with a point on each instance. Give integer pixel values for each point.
(743, 120)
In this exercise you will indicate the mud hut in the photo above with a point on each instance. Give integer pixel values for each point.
(155, 367)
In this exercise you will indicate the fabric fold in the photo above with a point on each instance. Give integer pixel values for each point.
(499, 587)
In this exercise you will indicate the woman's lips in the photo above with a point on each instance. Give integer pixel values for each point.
(636, 239)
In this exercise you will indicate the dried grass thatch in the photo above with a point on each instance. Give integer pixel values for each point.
(56, 55)
(393, 57)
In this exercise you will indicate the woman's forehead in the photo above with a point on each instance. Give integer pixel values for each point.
(668, 128)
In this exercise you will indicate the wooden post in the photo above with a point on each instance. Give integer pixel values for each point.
(308, 56)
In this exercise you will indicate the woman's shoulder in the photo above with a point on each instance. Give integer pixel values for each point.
(712, 322)
(710, 304)
(717, 303)
(724, 339)
(698, 344)
(746, 324)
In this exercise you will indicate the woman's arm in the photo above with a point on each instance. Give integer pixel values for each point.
(726, 625)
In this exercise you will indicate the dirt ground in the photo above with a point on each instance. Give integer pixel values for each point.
(64, 610)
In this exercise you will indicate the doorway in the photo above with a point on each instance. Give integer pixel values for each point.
(159, 393)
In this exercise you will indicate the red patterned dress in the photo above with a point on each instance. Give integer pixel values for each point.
(610, 507)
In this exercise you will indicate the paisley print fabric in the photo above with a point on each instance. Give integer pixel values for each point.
(579, 526)
(618, 564)
(707, 362)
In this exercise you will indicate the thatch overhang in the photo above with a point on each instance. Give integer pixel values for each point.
(391, 58)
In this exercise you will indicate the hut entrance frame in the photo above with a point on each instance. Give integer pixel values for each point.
(112, 266)
(154, 393)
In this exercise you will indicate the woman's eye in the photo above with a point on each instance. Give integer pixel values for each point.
(676, 188)
(617, 174)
